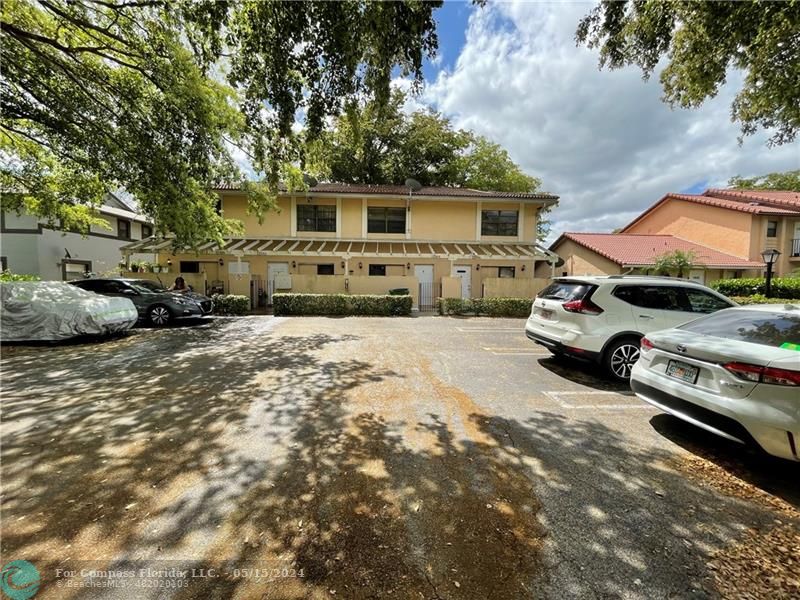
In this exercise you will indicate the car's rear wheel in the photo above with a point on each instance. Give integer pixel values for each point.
(620, 357)
(159, 316)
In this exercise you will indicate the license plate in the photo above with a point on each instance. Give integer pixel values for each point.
(680, 370)
(544, 313)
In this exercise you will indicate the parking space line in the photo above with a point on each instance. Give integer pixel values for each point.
(514, 351)
(555, 396)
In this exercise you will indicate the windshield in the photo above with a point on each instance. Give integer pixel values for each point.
(564, 290)
(147, 287)
(757, 327)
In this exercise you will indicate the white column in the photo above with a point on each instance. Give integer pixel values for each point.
(478, 209)
(363, 217)
(338, 216)
(293, 217)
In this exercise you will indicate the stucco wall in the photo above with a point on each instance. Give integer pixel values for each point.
(579, 260)
(497, 287)
(719, 228)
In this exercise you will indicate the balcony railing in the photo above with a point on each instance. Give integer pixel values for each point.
(796, 247)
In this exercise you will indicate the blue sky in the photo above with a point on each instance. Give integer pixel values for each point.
(602, 140)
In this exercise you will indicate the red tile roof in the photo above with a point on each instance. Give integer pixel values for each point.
(631, 249)
(427, 191)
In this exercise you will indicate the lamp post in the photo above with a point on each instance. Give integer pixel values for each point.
(770, 258)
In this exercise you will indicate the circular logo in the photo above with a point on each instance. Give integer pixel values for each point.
(20, 580)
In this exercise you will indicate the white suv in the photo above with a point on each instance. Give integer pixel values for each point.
(603, 318)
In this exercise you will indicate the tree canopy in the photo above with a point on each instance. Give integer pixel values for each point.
(373, 143)
(380, 143)
(159, 96)
(788, 180)
(703, 42)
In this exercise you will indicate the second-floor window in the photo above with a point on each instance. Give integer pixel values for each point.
(499, 222)
(147, 231)
(123, 229)
(315, 217)
(386, 219)
(772, 228)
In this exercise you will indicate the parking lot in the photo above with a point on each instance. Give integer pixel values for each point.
(424, 457)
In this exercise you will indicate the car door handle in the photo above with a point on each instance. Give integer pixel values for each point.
(646, 317)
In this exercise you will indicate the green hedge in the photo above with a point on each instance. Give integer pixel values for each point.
(341, 304)
(760, 299)
(491, 307)
(782, 287)
(9, 276)
(230, 304)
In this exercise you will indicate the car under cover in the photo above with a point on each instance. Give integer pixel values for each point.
(52, 311)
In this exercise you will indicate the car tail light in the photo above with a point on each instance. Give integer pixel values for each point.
(759, 374)
(645, 345)
(585, 307)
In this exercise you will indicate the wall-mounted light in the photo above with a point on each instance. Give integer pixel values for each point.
(294, 264)
(221, 262)
(477, 267)
(343, 264)
(523, 267)
(169, 262)
(360, 265)
(408, 266)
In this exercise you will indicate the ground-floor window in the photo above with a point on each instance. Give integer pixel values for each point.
(326, 269)
(190, 266)
(75, 269)
(379, 270)
(506, 272)
(3, 263)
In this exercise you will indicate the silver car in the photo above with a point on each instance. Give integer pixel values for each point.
(735, 373)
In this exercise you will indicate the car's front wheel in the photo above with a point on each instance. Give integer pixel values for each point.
(620, 357)
(159, 316)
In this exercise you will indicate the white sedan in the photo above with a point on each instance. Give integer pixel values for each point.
(735, 373)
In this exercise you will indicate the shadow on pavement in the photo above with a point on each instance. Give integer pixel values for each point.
(582, 373)
(234, 446)
(775, 476)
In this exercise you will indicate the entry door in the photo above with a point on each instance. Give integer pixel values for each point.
(698, 276)
(424, 273)
(465, 275)
(273, 269)
(796, 240)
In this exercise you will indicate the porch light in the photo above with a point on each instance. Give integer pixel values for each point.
(294, 264)
(169, 262)
(360, 265)
(343, 264)
(408, 266)
(221, 262)
(478, 267)
(523, 268)
(770, 257)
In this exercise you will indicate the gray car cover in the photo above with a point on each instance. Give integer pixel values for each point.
(52, 310)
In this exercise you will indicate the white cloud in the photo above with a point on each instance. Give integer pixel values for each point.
(602, 140)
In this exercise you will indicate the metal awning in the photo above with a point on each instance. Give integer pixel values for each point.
(248, 246)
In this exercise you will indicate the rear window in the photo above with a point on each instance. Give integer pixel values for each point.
(565, 290)
(753, 326)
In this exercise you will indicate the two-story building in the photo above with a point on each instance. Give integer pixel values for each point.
(370, 239)
(30, 246)
(725, 229)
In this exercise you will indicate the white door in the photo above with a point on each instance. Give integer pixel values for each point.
(796, 240)
(698, 276)
(273, 269)
(424, 274)
(465, 275)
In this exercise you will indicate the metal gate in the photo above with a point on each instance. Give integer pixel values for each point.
(428, 296)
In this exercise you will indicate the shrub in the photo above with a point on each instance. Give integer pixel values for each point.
(341, 304)
(9, 276)
(759, 299)
(491, 307)
(782, 287)
(230, 304)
